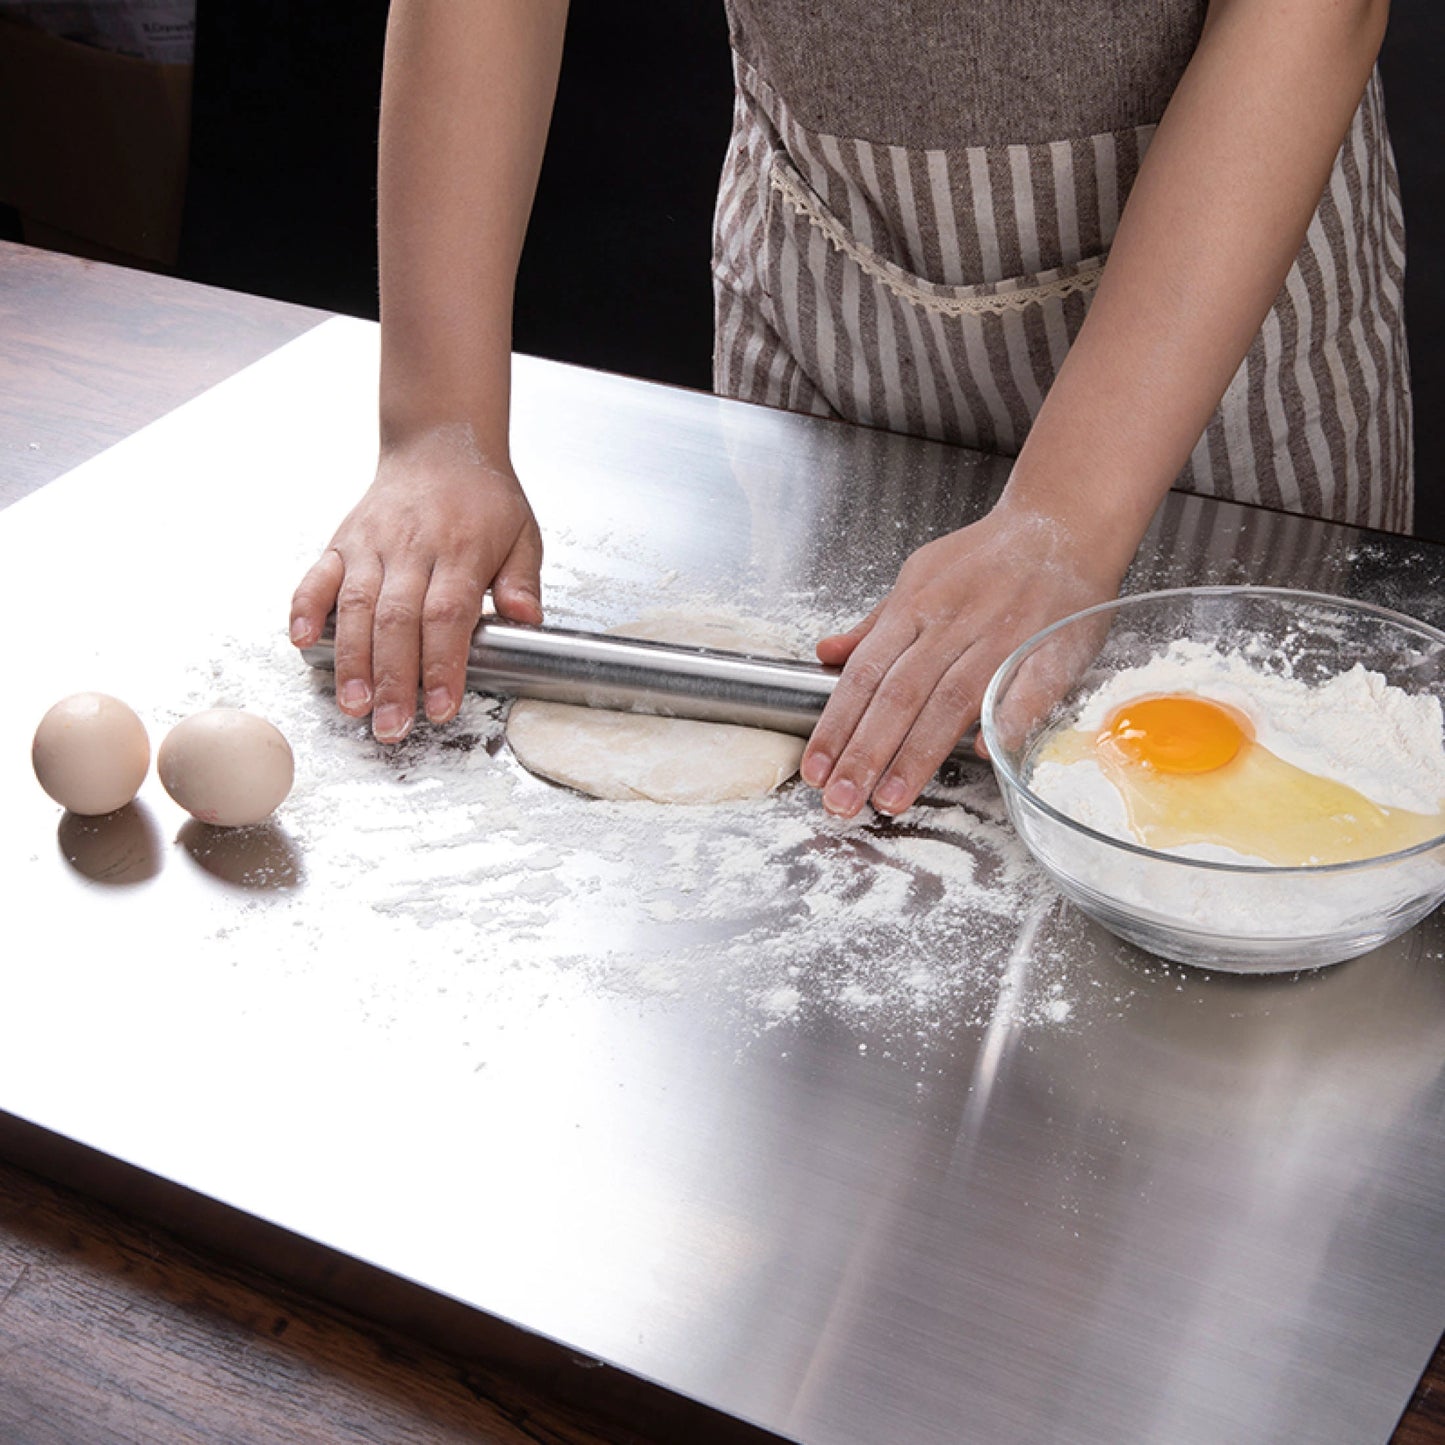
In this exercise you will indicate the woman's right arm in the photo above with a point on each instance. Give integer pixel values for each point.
(467, 94)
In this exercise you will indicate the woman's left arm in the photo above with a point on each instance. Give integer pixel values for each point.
(1215, 219)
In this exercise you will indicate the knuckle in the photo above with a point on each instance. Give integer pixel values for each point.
(862, 678)
(449, 610)
(353, 655)
(918, 760)
(864, 759)
(391, 685)
(396, 613)
(835, 727)
(902, 693)
(957, 698)
(354, 595)
(438, 674)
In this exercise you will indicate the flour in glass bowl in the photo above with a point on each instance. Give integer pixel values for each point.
(1354, 728)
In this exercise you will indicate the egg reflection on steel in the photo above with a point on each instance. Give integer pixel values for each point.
(1190, 771)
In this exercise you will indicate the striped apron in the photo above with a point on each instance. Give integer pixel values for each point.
(935, 288)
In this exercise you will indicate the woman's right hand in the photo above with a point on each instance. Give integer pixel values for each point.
(406, 573)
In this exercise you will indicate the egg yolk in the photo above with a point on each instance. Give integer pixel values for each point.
(1190, 771)
(1175, 734)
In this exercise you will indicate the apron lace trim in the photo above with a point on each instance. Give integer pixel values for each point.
(795, 194)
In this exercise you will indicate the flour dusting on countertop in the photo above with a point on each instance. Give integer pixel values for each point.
(771, 911)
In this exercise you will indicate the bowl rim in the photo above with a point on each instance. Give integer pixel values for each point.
(1293, 594)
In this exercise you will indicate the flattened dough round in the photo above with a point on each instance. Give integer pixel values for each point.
(668, 760)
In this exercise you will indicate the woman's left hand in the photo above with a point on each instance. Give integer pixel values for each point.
(915, 669)
(1216, 217)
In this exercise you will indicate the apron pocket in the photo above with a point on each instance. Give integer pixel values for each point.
(964, 364)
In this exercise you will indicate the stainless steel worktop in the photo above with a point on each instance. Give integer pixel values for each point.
(660, 1087)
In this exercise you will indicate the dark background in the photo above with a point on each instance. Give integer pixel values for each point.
(615, 272)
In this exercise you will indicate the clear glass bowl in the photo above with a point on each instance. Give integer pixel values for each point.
(1244, 918)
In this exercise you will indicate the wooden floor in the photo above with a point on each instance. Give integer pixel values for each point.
(1424, 1421)
(115, 1334)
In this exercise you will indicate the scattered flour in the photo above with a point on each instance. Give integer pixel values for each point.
(767, 911)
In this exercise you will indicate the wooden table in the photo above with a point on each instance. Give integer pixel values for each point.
(110, 1330)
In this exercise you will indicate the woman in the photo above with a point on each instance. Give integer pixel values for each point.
(911, 233)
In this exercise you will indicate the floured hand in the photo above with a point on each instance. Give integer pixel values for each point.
(915, 669)
(406, 573)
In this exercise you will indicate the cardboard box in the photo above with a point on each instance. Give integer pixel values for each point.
(93, 146)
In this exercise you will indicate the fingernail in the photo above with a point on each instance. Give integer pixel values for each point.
(300, 630)
(391, 724)
(438, 703)
(891, 796)
(355, 694)
(815, 769)
(843, 798)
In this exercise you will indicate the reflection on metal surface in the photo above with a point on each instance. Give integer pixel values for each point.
(260, 857)
(119, 848)
(854, 1131)
(629, 674)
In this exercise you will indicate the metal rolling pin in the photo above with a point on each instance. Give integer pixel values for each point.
(628, 674)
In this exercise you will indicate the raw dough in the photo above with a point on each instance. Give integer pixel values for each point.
(664, 759)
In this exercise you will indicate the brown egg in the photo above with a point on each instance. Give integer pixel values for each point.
(91, 753)
(226, 766)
